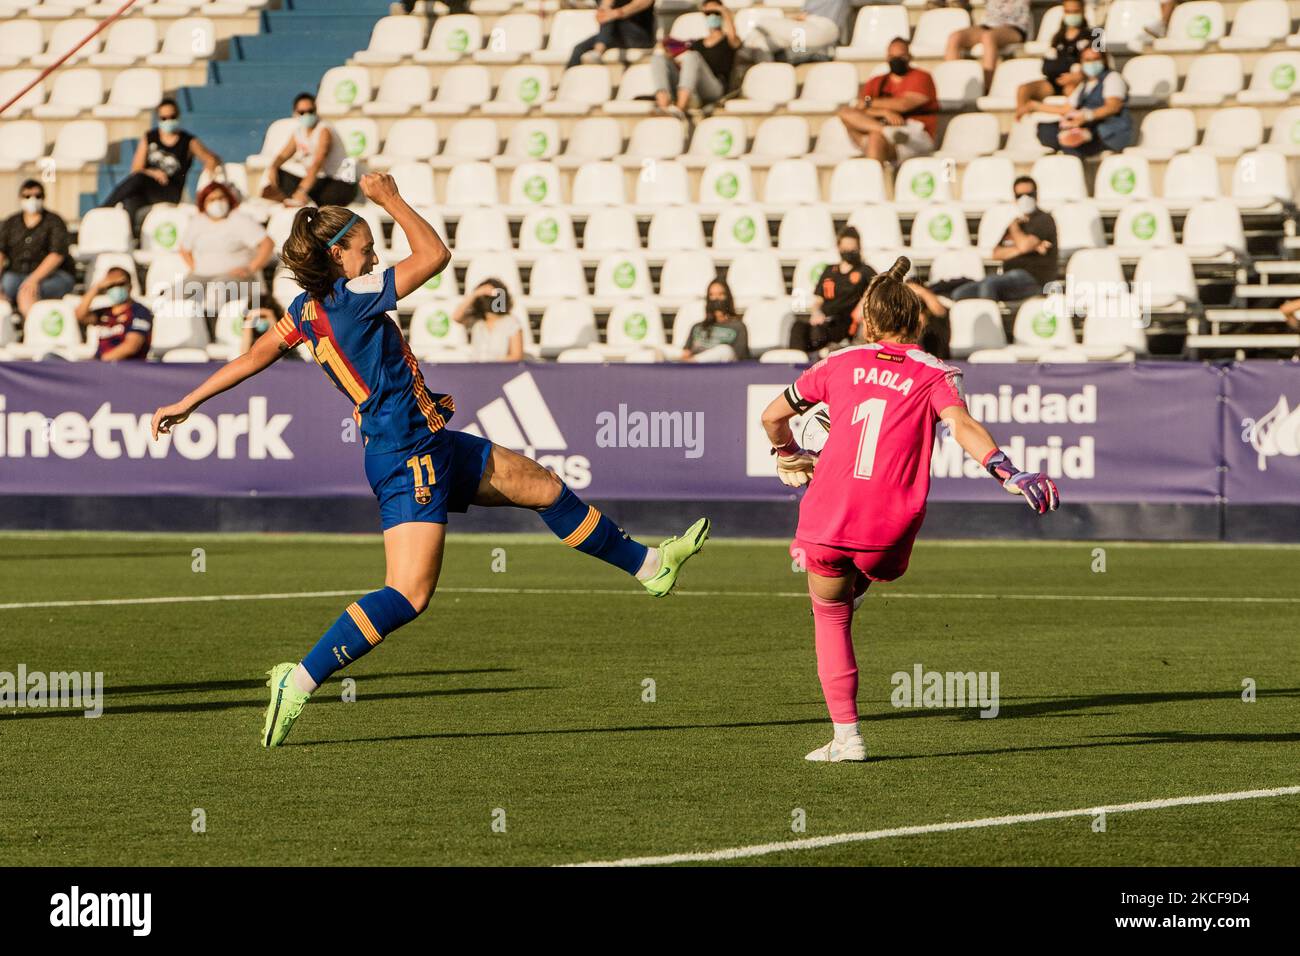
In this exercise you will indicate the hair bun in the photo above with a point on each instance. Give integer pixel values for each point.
(899, 270)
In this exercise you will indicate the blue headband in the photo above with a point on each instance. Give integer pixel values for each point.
(342, 232)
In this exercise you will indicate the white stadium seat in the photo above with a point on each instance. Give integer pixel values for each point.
(1194, 26)
(958, 83)
(556, 275)
(468, 140)
(1007, 80)
(1262, 179)
(1232, 131)
(857, 181)
(1211, 78)
(535, 184)
(598, 184)
(675, 228)
(755, 274)
(933, 29)
(1213, 230)
(406, 88)
(567, 325)
(545, 229)
(768, 324)
(1078, 226)
(21, 142)
(1257, 25)
(80, 143)
(878, 226)
(568, 29)
(134, 91)
(939, 226)
(482, 230)
(521, 89)
(20, 40)
(969, 135)
(592, 138)
(343, 89)
(1191, 177)
(826, 87)
(1140, 226)
(411, 139)
(610, 229)
(1125, 22)
(1122, 177)
(779, 137)
(1060, 179)
(453, 36)
(393, 39)
(873, 28)
(791, 182)
(513, 37)
(581, 88)
(75, 91)
(1164, 133)
(186, 41)
(1151, 78)
(922, 180)
(975, 324)
(726, 182)
(765, 88)
(741, 227)
(65, 35)
(623, 275)
(1275, 78)
(987, 181)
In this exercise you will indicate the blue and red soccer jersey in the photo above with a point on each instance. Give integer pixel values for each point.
(417, 467)
(115, 322)
(361, 349)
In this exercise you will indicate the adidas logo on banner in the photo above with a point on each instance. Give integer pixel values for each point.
(522, 421)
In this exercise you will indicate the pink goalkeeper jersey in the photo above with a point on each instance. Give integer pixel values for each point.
(874, 473)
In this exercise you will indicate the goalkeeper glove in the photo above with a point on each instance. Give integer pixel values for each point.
(794, 465)
(1039, 490)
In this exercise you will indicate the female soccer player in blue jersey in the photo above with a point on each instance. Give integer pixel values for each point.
(418, 468)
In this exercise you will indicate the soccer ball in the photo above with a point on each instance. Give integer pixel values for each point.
(815, 428)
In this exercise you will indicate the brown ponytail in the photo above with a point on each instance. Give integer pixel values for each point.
(889, 307)
(305, 253)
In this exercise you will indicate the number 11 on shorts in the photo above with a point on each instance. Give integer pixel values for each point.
(872, 414)
(414, 464)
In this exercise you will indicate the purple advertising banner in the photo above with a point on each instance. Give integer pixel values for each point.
(1151, 432)
(1262, 433)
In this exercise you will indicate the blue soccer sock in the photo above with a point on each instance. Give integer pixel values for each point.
(361, 627)
(581, 526)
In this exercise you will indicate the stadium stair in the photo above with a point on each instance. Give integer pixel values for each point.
(253, 84)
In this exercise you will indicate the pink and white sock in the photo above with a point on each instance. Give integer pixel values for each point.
(837, 668)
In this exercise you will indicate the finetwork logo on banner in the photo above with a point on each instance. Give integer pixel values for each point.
(109, 435)
(522, 421)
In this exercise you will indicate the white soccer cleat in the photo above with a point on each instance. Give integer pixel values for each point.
(840, 750)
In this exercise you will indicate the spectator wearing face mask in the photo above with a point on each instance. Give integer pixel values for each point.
(124, 325)
(701, 71)
(257, 322)
(833, 313)
(313, 166)
(896, 113)
(811, 33)
(1027, 252)
(224, 249)
(161, 163)
(495, 335)
(34, 252)
(720, 336)
(1061, 70)
(1095, 117)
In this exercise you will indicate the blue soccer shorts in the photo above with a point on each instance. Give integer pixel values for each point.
(438, 476)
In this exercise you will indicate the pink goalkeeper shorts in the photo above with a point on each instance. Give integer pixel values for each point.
(880, 564)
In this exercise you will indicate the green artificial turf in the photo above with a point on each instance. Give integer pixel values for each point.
(522, 691)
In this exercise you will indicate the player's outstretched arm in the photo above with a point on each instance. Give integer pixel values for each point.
(1039, 491)
(794, 465)
(263, 353)
(429, 254)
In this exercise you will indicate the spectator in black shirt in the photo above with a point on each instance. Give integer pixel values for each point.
(624, 24)
(834, 312)
(721, 336)
(1061, 71)
(162, 161)
(34, 252)
(1027, 252)
(702, 70)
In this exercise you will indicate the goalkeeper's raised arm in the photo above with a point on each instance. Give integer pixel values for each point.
(1039, 490)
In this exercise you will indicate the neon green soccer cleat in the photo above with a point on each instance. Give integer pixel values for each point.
(673, 553)
(285, 706)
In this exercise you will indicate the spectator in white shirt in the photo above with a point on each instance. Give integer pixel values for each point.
(314, 165)
(811, 33)
(223, 249)
(495, 335)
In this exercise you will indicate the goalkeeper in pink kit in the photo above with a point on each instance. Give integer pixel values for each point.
(860, 515)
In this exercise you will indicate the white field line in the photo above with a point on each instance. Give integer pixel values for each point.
(815, 843)
(632, 592)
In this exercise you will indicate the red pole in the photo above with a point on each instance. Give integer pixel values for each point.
(61, 60)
